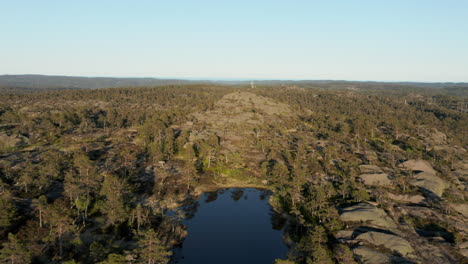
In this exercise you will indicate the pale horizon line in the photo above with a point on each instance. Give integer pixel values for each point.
(228, 78)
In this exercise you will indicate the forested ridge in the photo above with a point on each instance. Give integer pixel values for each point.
(362, 173)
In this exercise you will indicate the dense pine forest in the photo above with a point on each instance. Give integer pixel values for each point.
(363, 173)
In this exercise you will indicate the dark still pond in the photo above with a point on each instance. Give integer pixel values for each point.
(232, 226)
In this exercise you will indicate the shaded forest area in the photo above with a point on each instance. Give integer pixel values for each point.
(87, 175)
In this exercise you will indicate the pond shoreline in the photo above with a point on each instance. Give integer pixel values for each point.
(214, 187)
(226, 217)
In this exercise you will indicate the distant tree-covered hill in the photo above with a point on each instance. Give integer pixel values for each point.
(68, 82)
(40, 82)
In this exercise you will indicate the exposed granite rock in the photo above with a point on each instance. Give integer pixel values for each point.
(418, 165)
(406, 198)
(430, 182)
(461, 208)
(391, 242)
(344, 234)
(371, 256)
(369, 169)
(375, 179)
(364, 212)
(464, 249)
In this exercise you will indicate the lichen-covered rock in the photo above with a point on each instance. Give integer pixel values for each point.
(364, 212)
(375, 179)
(430, 182)
(391, 242)
(418, 165)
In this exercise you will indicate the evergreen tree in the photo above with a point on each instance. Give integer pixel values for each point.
(14, 252)
(150, 249)
(8, 210)
(113, 192)
(59, 220)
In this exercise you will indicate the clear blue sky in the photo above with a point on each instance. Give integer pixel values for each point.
(397, 40)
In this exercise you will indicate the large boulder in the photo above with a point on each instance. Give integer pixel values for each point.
(430, 182)
(391, 242)
(375, 179)
(367, 213)
(418, 166)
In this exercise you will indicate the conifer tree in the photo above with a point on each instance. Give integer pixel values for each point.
(14, 252)
(150, 250)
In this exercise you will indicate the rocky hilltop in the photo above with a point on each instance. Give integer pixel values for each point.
(411, 220)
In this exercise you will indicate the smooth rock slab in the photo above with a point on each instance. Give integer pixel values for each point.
(375, 179)
(391, 242)
(371, 256)
(406, 198)
(369, 168)
(418, 165)
(364, 212)
(430, 182)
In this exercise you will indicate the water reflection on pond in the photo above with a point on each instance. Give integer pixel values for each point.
(231, 226)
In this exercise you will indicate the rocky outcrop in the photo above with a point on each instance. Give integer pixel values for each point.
(370, 256)
(425, 177)
(406, 198)
(367, 213)
(430, 182)
(418, 166)
(375, 179)
(391, 242)
(344, 235)
(461, 208)
(464, 249)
